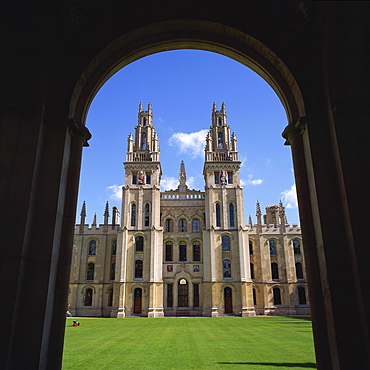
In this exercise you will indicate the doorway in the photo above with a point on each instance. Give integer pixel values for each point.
(137, 300)
(228, 300)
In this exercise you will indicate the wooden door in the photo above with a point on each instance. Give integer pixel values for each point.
(137, 300)
(228, 300)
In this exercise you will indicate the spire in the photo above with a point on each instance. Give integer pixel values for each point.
(106, 214)
(258, 214)
(282, 216)
(182, 178)
(83, 216)
(140, 107)
(94, 220)
(250, 221)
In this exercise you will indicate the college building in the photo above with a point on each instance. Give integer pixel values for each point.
(186, 252)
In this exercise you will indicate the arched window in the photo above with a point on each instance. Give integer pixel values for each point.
(218, 215)
(146, 215)
(227, 268)
(196, 225)
(182, 225)
(168, 254)
(196, 251)
(274, 271)
(302, 295)
(88, 297)
(254, 297)
(231, 215)
(252, 271)
(220, 141)
(133, 214)
(251, 247)
(182, 250)
(219, 121)
(138, 269)
(169, 225)
(143, 141)
(225, 243)
(113, 271)
(92, 248)
(114, 247)
(296, 246)
(299, 270)
(272, 244)
(110, 297)
(139, 244)
(277, 296)
(144, 121)
(90, 271)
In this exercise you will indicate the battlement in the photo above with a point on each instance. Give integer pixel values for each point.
(271, 229)
(93, 229)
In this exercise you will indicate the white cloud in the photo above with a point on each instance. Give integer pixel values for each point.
(192, 144)
(289, 197)
(251, 181)
(168, 183)
(115, 192)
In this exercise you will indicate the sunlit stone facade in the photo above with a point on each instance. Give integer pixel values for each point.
(186, 252)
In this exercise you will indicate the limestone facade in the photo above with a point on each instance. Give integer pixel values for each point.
(184, 251)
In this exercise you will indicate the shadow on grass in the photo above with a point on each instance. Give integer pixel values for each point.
(306, 365)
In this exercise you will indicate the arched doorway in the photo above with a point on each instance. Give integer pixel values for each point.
(137, 300)
(228, 300)
(183, 293)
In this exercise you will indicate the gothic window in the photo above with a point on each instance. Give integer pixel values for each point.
(277, 296)
(114, 247)
(139, 244)
(219, 121)
(168, 251)
(229, 177)
(299, 270)
(169, 295)
(143, 141)
(182, 250)
(220, 141)
(231, 215)
(110, 297)
(225, 243)
(302, 295)
(169, 225)
(251, 247)
(133, 214)
(227, 268)
(196, 251)
(138, 269)
(274, 271)
(218, 215)
(88, 297)
(296, 246)
(252, 271)
(113, 271)
(196, 225)
(272, 244)
(217, 178)
(254, 297)
(134, 179)
(182, 225)
(92, 248)
(90, 271)
(144, 121)
(148, 179)
(196, 295)
(146, 215)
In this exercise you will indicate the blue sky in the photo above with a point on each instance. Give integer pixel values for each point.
(182, 86)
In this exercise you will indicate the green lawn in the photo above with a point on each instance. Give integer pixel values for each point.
(190, 343)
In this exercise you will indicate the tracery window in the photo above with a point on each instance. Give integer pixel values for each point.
(113, 271)
(196, 251)
(231, 215)
(92, 248)
(251, 247)
(182, 225)
(274, 271)
(302, 295)
(225, 243)
(139, 244)
(220, 141)
(296, 246)
(196, 225)
(299, 270)
(114, 247)
(276, 296)
(218, 215)
(217, 178)
(146, 215)
(110, 297)
(254, 297)
(88, 297)
(143, 141)
(227, 268)
(138, 269)
(229, 177)
(133, 214)
(252, 270)
(272, 244)
(168, 251)
(182, 251)
(90, 271)
(169, 295)
(169, 225)
(196, 295)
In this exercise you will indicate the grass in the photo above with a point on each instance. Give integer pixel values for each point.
(190, 343)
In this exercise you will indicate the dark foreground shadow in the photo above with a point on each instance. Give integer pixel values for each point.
(305, 365)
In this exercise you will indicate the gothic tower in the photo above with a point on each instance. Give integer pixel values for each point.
(227, 236)
(141, 236)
